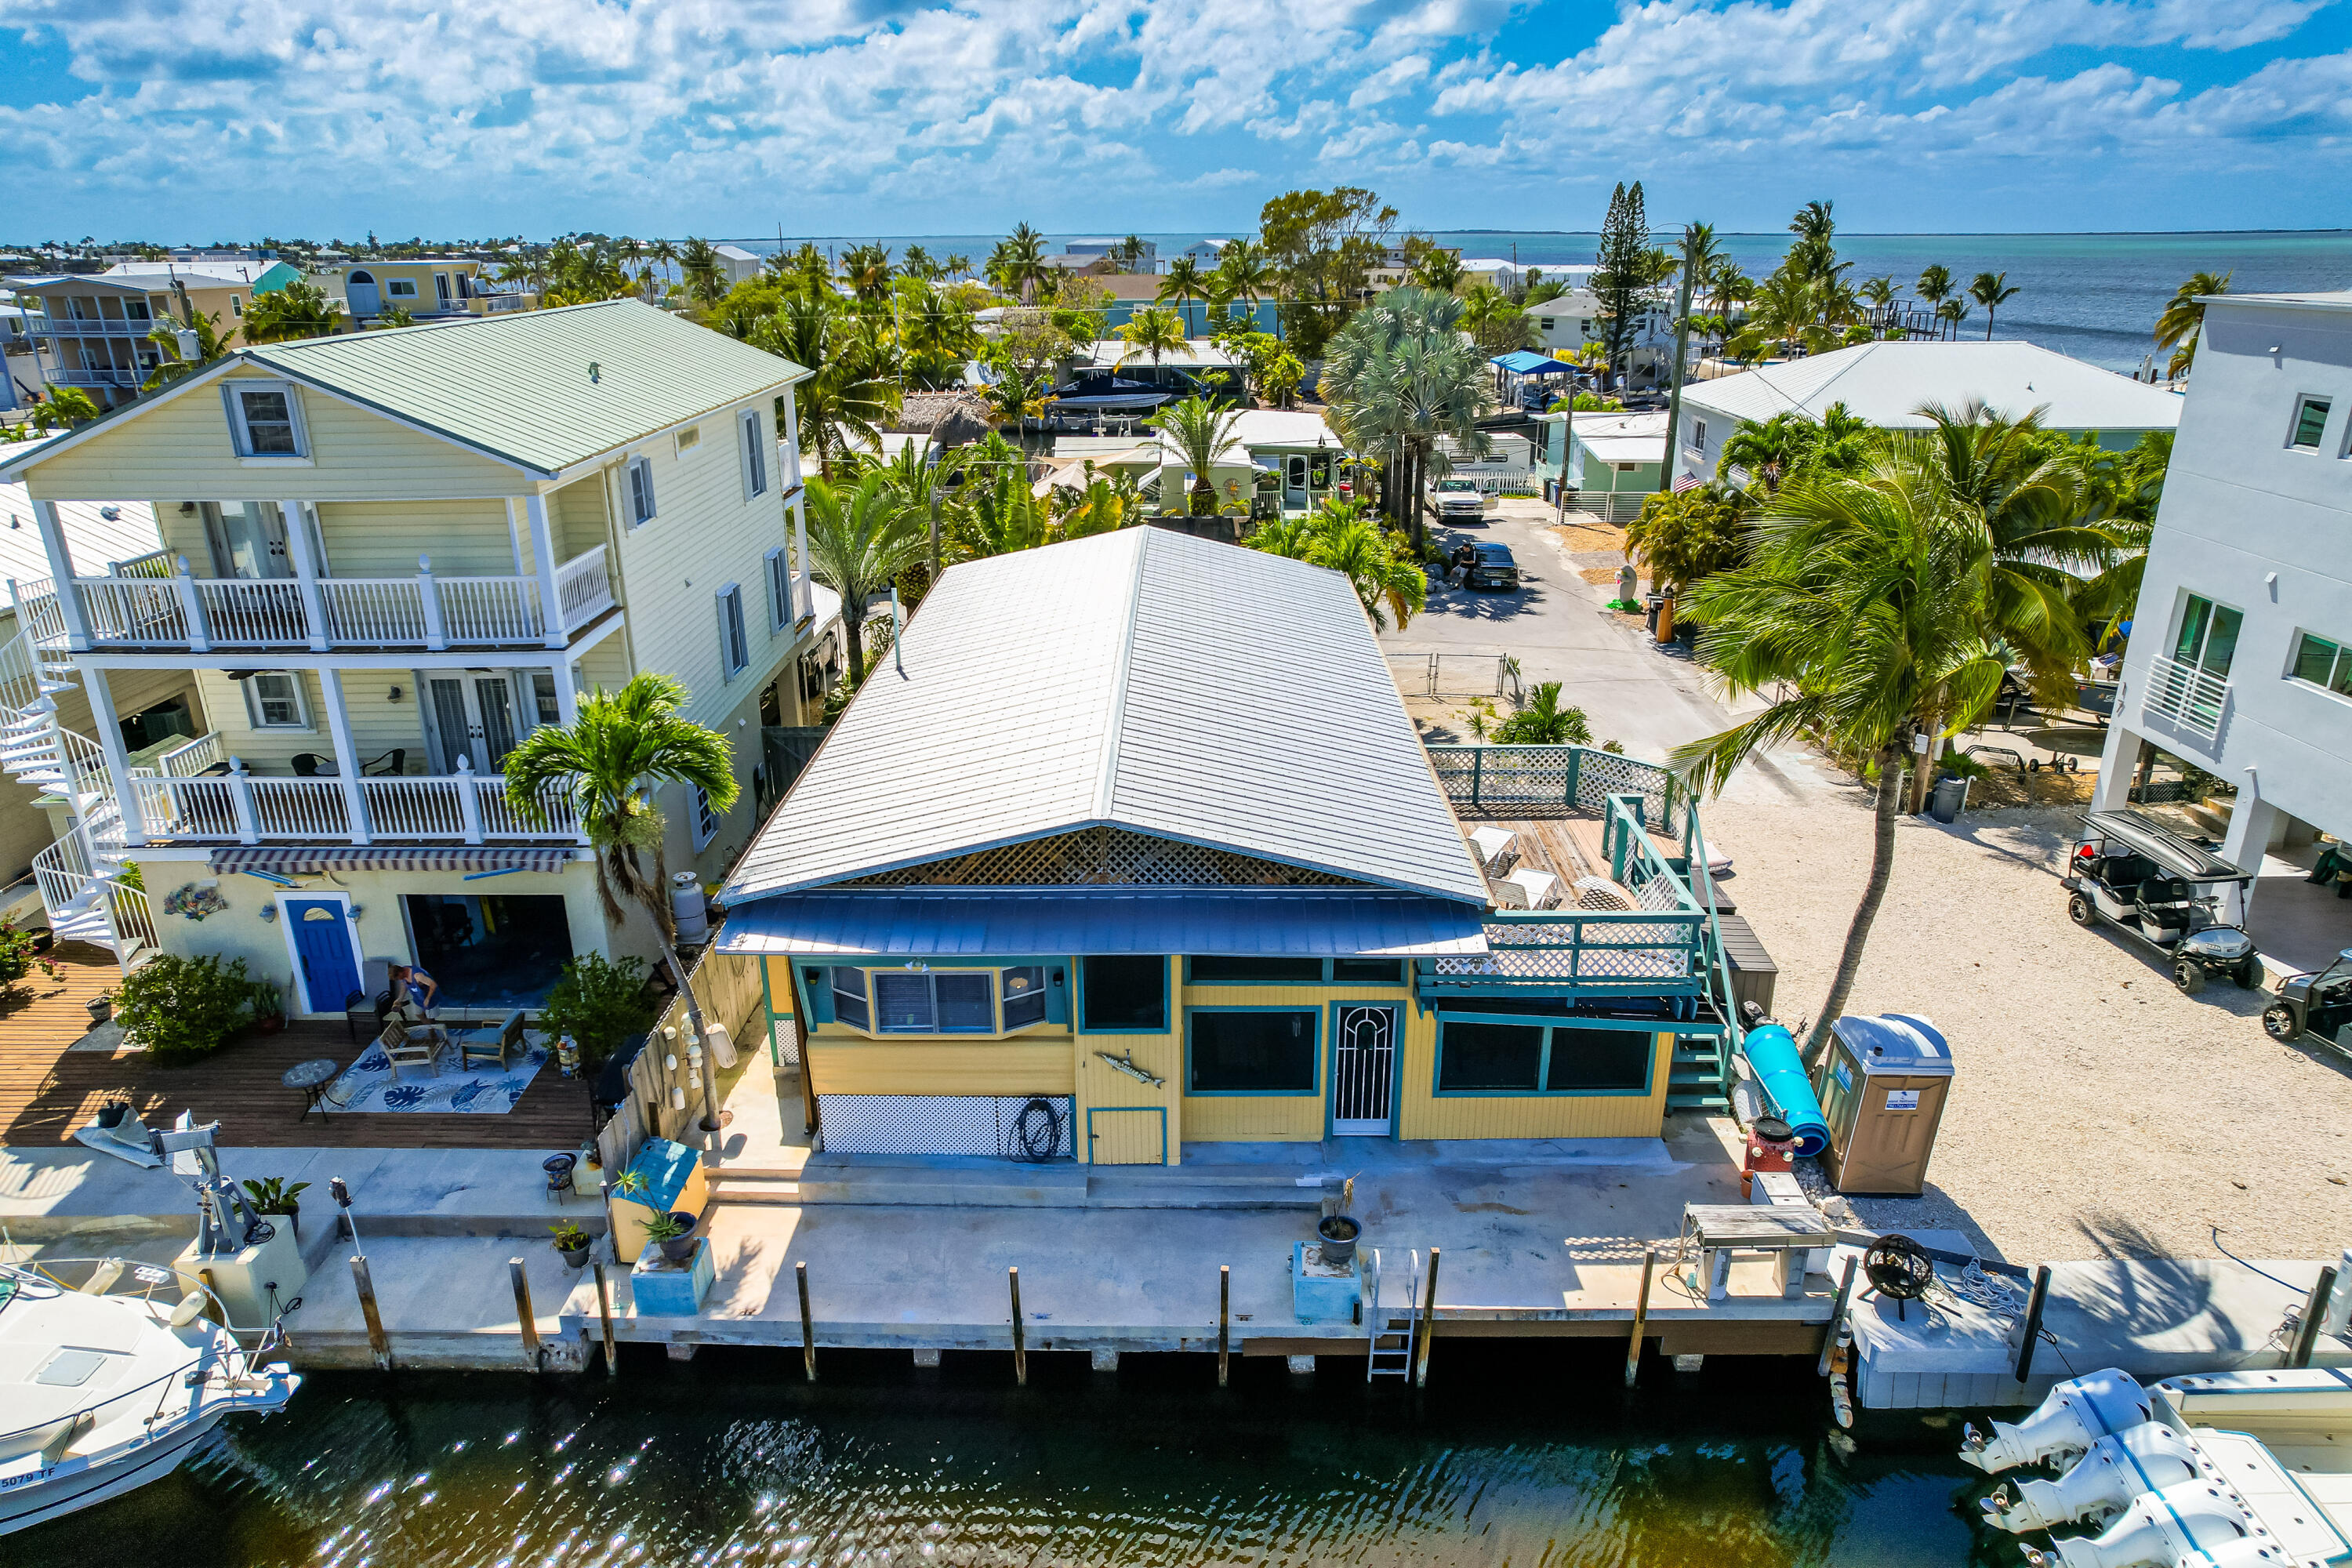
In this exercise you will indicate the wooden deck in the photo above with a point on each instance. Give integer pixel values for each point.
(48, 1091)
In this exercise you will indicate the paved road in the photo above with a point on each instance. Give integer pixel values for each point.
(1559, 629)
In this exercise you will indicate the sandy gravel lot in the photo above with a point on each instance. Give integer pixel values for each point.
(2098, 1111)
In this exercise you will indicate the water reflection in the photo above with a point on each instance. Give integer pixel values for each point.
(1512, 1459)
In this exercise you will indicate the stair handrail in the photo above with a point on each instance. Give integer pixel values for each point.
(1718, 963)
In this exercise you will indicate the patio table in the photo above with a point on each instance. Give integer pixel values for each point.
(312, 1078)
(1493, 844)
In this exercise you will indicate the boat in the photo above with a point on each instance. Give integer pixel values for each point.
(110, 1374)
(2229, 1469)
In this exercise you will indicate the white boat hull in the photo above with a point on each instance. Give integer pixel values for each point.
(77, 1484)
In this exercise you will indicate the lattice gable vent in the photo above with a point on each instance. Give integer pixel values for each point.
(1103, 858)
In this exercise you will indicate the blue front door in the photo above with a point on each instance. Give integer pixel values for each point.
(322, 949)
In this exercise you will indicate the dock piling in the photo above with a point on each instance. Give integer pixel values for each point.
(379, 1343)
(524, 1314)
(808, 1324)
(1020, 1339)
(2033, 1306)
(1428, 1324)
(1837, 1316)
(2307, 1329)
(604, 1315)
(1641, 1317)
(1225, 1316)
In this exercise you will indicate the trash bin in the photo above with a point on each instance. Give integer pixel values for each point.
(1882, 1085)
(1949, 799)
(1650, 615)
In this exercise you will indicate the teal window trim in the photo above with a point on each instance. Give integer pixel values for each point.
(867, 966)
(1093, 1110)
(1404, 970)
(1322, 1085)
(768, 1007)
(1078, 1000)
(1548, 1023)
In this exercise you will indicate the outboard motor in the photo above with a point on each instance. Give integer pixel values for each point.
(2170, 1529)
(2143, 1458)
(2077, 1413)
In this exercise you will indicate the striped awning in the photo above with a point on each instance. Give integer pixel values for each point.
(291, 861)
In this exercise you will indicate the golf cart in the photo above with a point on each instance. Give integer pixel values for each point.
(2317, 1005)
(2142, 878)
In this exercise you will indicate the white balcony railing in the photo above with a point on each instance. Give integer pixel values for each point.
(239, 808)
(85, 376)
(2191, 699)
(85, 327)
(182, 612)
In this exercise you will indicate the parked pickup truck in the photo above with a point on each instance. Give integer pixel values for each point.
(1459, 499)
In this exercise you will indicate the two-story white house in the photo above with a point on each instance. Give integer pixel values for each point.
(387, 557)
(2241, 655)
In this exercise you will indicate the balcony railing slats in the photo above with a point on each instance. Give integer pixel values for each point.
(241, 808)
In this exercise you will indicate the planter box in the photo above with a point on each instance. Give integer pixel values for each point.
(666, 1289)
(1321, 1294)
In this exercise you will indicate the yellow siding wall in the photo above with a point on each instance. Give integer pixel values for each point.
(1268, 1118)
(576, 514)
(1032, 1064)
(179, 450)
(1425, 1114)
(383, 539)
(378, 723)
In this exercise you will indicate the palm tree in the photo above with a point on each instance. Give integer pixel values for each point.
(957, 266)
(1397, 377)
(608, 764)
(918, 264)
(704, 275)
(859, 539)
(1935, 287)
(1184, 284)
(1952, 312)
(1201, 433)
(1880, 292)
(300, 310)
(1544, 722)
(1385, 577)
(66, 405)
(1152, 330)
(2184, 317)
(1770, 450)
(867, 270)
(1244, 272)
(1992, 291)
(1018, 265)
(849, 395)
(940, 332)
(1698, 258)
(1865, 606)
(1495, 324)
(1005, 514)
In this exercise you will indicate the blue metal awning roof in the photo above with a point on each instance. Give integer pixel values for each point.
(1526, 362)
(1300, 922)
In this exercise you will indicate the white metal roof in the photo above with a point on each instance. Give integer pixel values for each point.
(1171, 685)
(1883, 383)
(95, 538)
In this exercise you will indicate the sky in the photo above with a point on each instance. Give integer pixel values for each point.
(237, 119)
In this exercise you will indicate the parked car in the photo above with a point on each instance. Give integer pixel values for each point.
(1458, 500)
(2318, 1005)
(2131, 871)
(1494, 568)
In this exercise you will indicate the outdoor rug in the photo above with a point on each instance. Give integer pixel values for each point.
(367, 1085)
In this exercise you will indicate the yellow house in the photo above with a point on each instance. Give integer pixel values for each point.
(429, 287)
(386, 558)
(1133, 845)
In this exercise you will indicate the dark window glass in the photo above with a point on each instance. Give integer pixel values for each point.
(902, 1002)
(965, 1006)
(1489, 1056)
(1124, 993)
(1253, 1053)
(849, 996)
(2310, 422)
(1369, 971)
(1024, 995)
(1262, 970)
(1596, 1059)
(269, 425)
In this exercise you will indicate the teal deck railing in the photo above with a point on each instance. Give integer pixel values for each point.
(1538, 780)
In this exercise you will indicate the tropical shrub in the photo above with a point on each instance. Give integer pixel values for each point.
(183, 1009)
(1544, 722)
(18, 955)
(1683, 536)
(597, 1005)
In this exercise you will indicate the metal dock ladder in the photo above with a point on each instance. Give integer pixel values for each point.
(1389, 1336)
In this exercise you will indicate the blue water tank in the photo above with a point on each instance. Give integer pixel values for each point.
(1772, 1053)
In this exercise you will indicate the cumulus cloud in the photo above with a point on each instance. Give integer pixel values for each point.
(913, 115)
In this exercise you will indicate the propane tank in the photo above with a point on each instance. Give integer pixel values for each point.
(2102, 1483)
(688, 909)
(2077, 1413)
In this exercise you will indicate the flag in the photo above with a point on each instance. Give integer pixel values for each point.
(1686, 482)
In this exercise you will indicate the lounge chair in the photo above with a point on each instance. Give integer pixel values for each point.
(413, 1045)
(493, 1047)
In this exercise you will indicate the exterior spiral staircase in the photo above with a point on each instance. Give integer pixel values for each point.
(80, 874)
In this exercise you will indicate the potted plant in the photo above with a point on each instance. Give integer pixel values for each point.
(275, 1194)
(573, 1242)
(268, 1007)
(674, 1232)
(1337, 1232)
(101, 1008)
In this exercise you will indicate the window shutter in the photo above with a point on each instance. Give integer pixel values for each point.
(780, 600)
(641, 489)
(734, 650)
(746, 445)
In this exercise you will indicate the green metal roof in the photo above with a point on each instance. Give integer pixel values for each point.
(543, 388)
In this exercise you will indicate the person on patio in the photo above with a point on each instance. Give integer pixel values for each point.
(411, 983)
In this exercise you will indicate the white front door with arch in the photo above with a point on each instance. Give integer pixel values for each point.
(322, 939)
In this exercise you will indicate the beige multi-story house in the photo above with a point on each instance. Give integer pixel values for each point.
(93, 332)
(387, 557)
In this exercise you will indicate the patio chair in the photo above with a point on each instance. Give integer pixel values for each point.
(308, 764)
(413, 1045)
(508, 1042)
(368, 1003)
(394, 761)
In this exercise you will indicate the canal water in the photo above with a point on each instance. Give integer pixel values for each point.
(1507, 1458)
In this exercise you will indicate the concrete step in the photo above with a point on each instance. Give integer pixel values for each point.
(1180, 1187)
(943, 1181)
(727, 1187)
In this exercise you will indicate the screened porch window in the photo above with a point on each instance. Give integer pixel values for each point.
(1252, 1051)
(849, 997)
(912, 1003)
(1479, 1057)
